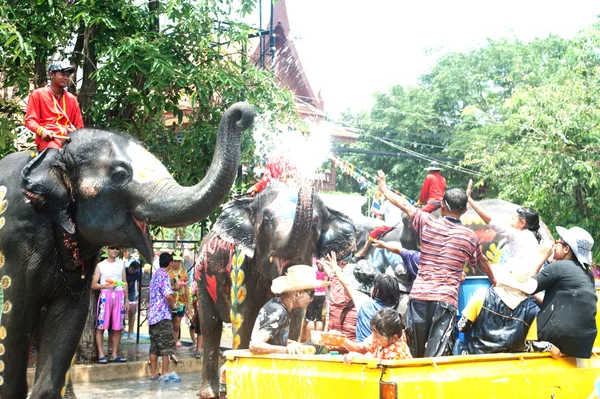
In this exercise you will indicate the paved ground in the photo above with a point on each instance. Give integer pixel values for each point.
(141, 389)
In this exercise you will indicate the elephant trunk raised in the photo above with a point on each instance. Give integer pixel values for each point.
(300, 232)
(168, 204)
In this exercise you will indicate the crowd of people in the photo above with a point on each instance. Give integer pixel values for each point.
(542, 297)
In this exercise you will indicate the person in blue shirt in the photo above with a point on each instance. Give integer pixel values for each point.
(385, 293)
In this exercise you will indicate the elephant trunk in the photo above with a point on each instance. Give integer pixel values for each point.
(168, 204)
(300, 232)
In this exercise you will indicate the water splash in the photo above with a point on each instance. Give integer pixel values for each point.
(304, 151)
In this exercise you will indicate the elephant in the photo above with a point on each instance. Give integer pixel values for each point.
(59, 208)
(254, 241)
(493, 246)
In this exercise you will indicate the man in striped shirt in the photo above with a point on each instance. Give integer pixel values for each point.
(445, 247)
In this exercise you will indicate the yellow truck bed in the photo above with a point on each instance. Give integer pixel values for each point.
(478, 376)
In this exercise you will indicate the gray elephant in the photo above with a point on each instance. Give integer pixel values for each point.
(59, 209)
(253, 241)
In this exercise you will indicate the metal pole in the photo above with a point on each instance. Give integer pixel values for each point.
(261, 42)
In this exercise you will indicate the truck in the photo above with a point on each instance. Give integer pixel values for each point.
(499, 376)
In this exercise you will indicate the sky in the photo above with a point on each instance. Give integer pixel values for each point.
(351, 49)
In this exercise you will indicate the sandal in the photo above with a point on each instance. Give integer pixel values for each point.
(118, 359)
(155, 378)
(102, 360)
(198, 354)
(174, 358)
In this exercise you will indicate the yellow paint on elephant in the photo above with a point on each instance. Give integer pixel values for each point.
(63, 391)
(240, 278)
(238, 321)
(232, 275)
(237, 260)
(1, 260)
(1, 366)
(2, 349)
(231, 316)
(236, 342)
(5, 282)
(3, 206)
(6, 307)
(1, 380)
(2, 333)
(472, 219)
(241, 294)
(493, 254)
(2, 221)
(2, 192)
(232, 295)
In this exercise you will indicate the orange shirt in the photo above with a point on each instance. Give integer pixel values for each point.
(44, 111)
(397, 350)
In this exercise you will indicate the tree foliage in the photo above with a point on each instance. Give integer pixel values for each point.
(521, 119)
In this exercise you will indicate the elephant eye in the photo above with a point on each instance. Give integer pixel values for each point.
(120, 176)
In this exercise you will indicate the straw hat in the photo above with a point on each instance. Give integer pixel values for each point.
(297, 278)
(512, 284)
(434, 166)
(580, 242)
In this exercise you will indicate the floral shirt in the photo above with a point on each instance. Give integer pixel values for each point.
(273, 317)
(395, 351)
(175, 276)
(160, 287)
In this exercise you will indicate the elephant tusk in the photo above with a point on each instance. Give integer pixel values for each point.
(271, 259)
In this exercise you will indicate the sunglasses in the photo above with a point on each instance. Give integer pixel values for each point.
(310, 293)
(113, 248)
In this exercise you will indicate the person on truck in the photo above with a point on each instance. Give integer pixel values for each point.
(503, 319)
(567, 316)
(386, 341)
(445, 246)
(272, 326)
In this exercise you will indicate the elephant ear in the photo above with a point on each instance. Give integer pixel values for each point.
(236, 225)
(338, 236)
(45, 184)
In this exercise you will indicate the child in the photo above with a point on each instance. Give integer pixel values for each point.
(387, 341)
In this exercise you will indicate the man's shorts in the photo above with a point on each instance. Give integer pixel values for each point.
(110, 310)
(162, 342)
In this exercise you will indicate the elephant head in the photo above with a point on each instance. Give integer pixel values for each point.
(283, 226)
(106, 188)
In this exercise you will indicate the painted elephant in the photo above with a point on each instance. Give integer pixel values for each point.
(253, 241)
(59, 208)
(492, 244)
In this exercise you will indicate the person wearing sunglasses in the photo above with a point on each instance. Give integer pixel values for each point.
(272, 326)
(522, 231)
(567, 316)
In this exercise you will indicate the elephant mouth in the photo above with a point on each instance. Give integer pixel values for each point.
(143, 226)
(282, 264)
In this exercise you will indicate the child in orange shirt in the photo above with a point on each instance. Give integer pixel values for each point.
(387, 341)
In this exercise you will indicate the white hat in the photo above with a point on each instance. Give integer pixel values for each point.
(580, 242)
(297, 278)
(512, 283)
(434, 166)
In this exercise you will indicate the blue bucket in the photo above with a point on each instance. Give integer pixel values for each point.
(466, 291)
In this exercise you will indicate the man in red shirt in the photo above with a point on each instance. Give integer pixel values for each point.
(52, 112)
(433, 189)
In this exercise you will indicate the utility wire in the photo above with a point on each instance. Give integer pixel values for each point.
(429, 158)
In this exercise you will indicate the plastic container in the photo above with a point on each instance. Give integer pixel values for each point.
(466, 291)
(327, 338)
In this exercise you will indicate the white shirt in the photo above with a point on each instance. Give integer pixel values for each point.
(523, 249)
(391, 213)
(111, 270)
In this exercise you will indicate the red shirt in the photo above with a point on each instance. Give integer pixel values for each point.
(44, 111)
(433, 188)
(445, 247)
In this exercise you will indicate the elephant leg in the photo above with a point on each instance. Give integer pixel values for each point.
(249, 311)
(59, 338)
(15, 348)
(212, 327)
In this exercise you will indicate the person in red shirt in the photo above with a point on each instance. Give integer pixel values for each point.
(52, 112)
(433, 189)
